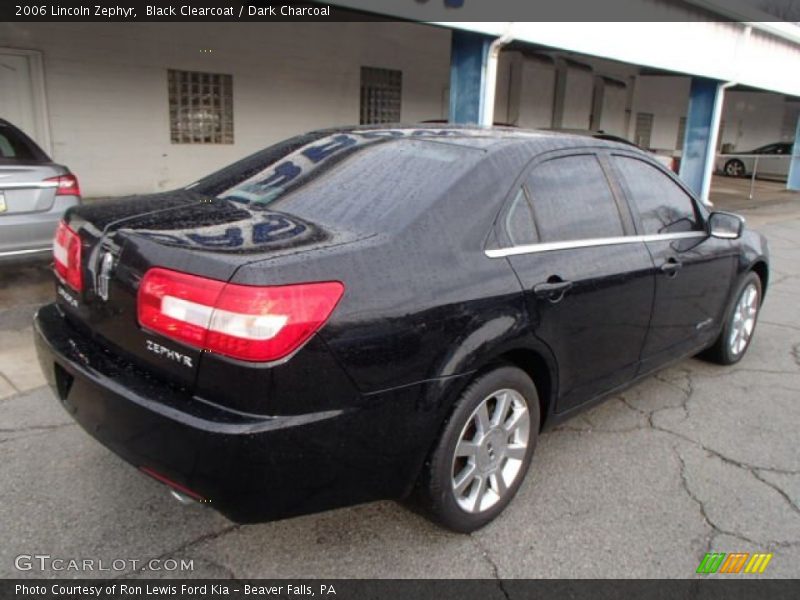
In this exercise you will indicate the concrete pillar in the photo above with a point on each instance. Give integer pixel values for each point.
(468, 54)
(702, 126)
(793, 182)
(559, 94)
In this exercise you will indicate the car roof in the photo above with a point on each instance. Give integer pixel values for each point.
(485, 138)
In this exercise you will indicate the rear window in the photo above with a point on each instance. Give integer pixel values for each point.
(16, 146)
(346, 179)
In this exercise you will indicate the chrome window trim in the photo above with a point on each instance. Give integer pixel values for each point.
(588, 243)
(28, 185)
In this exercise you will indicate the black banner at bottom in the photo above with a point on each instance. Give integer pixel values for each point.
(425, 589)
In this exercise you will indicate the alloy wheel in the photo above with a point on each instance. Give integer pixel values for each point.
(743, 319)
(734, 168)
(490, 451)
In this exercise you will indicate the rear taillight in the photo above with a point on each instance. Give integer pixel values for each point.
(67, 256)
(66, 185)
(241, 321)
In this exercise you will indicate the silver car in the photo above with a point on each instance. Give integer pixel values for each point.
(771, 160)
(34, 193)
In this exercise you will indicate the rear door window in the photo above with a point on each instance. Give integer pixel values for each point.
(572, 200)
(663, 206)
(519, 223)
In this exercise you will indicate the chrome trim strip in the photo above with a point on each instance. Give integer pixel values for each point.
(27, 185)
(22, 252)
(610, 241)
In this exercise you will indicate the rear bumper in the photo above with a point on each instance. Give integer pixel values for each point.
(250, 468)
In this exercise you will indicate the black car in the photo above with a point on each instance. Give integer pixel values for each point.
(366, 313)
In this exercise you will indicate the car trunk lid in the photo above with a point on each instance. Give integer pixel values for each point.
(27, 188)
(181, 231)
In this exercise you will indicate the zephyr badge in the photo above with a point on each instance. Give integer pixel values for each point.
(106, 264)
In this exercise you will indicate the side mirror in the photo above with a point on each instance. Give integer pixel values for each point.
(726, 226)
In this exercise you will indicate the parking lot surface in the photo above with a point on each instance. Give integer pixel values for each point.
(697, 458)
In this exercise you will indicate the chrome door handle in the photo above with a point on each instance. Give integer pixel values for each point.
(671, 267)
(552, 290)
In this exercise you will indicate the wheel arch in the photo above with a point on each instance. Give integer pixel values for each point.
(537, 367)
(761, 269)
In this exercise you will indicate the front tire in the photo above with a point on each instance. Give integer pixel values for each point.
(484, 451)
(740, 323)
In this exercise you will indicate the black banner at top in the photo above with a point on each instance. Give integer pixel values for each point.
(178, 10)
(415, 10)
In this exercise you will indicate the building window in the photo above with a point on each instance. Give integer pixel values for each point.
(200, 107)
(644, 129)
(381, 91)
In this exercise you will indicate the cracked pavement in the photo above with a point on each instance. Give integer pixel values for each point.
(697, 458)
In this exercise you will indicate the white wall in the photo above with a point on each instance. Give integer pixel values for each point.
(106, 88)
(525, 90)
(578, 89)
(612, 117)
(537, 87)
(527, 96)
(754, 119)
(667, 98)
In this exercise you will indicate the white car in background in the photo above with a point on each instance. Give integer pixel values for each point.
(771, 160)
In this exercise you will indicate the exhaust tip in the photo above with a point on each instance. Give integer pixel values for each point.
(182, 498)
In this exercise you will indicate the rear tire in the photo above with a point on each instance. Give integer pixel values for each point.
(484, 451)
(741, 317)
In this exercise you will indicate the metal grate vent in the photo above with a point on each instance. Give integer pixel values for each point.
(681, 134)
(644, 130)
(381, 93)
(200, 107)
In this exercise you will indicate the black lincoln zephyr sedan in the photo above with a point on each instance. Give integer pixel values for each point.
(370, 313)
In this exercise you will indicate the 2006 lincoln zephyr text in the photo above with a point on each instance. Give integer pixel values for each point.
(363, 313)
